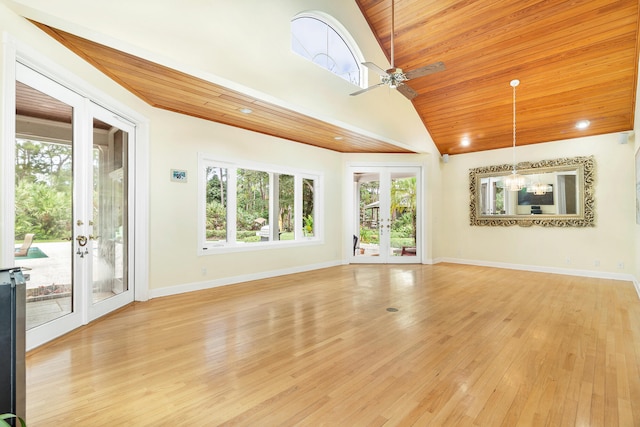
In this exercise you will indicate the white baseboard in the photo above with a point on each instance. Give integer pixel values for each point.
(542, 269)
(208, 284)
(553, 270)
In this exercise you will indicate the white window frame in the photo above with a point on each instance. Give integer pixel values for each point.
(231, 245)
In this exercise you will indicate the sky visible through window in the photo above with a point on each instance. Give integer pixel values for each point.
(321, 44)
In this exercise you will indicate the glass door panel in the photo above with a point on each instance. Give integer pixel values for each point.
(109, 238)
(45, 189)
(109, 226)
(43, 216)
(367, 236)
(403, 214)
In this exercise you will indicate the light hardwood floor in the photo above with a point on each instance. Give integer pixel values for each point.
(467, 346)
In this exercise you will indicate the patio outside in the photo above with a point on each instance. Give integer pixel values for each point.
(49, 292)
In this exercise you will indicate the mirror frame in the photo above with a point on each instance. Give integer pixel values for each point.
(585, 166)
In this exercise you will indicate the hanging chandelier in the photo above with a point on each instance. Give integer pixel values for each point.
(515, 181)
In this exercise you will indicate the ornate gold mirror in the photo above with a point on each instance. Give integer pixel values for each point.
(557, 193)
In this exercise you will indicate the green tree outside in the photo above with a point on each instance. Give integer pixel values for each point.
(43, 191)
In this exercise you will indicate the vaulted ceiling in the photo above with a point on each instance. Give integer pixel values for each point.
(575, 60)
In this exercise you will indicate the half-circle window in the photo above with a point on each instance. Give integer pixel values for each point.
(312, 37)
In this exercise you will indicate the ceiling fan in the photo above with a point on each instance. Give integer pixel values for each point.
(394, 77)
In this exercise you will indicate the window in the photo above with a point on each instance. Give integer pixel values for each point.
(216, 204)
(252, 205)
(308, 191)
(245, 206)
(286, 198)
(315, 38)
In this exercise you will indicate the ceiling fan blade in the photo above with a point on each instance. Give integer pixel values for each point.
(406, 90)
(374, 67)
(366, 90)
(426, 70)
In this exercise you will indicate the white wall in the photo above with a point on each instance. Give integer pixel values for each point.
(573, 250)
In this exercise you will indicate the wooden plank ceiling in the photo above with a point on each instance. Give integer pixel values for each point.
(575, 60)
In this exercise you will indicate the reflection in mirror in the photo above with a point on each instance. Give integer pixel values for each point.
(557, 193)
(537, 197)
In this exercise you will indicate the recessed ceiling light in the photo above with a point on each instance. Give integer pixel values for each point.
(246, 110)
(338, 138)
(465, 141)
(583, 124)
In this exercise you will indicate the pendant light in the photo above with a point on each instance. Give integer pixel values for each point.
(515, 181)
(539, 189)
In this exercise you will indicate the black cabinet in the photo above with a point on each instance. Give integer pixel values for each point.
(12, 341)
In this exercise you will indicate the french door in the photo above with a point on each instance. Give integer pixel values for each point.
(72, 193)
(386, 217)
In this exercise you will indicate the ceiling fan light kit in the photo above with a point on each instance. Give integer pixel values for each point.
(396, 78)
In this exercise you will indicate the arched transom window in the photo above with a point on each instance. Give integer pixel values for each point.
(314, 38)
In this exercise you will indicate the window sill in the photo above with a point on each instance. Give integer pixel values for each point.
(258, 246)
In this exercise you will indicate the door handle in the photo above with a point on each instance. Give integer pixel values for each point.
(82, 240)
